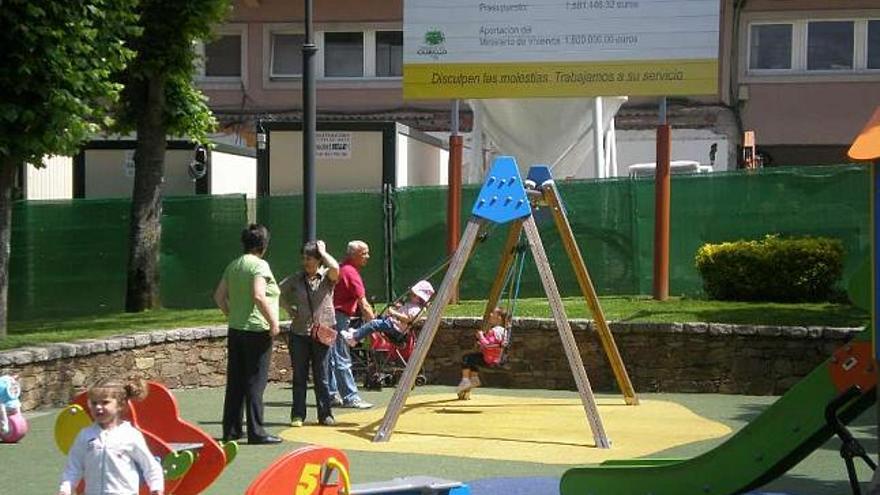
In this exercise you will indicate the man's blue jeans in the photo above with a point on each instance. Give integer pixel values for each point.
(339, 378)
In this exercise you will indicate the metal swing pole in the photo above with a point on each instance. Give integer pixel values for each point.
(565, 334)
(429, 330)
(551, 196)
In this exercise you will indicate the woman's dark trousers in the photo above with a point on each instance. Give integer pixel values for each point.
(307, 353)
(247, 369)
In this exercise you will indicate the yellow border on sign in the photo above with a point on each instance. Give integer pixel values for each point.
(560, 79)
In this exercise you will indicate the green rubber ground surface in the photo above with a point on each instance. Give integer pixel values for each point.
(34, 466)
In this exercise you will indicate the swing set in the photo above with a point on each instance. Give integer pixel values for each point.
(505, 198)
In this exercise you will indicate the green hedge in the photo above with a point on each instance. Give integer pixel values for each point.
(771, 269)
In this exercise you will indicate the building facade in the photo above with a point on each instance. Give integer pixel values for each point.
(803, 74)
(253, 69)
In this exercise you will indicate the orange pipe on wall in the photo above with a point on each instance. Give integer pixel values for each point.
(662, 196)
(453, 209)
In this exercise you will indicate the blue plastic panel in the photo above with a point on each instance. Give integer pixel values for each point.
(503, 197)
(539, 174)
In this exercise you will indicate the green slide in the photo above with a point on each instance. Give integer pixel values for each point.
(763, 450)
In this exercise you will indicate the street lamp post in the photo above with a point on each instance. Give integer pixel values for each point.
(309, 50)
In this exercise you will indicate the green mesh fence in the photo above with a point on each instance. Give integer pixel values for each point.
(200, 236)
(69, 257)
(342, 217)
(830, 201)
(613, 222)
(419, 233)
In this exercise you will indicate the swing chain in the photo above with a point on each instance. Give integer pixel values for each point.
(485, 232)
(512, 286)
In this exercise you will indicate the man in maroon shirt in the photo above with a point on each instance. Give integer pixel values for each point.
(350, 301)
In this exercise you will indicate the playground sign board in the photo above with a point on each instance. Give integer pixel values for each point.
(537, 48)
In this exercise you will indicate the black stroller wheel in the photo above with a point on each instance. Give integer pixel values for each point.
(373, 381)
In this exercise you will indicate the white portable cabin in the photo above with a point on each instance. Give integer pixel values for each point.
(349, 156)
(54, 180)
(105, 169)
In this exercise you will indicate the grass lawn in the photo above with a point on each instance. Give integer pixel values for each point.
(31, 332)
(645, 309)
(617, 308)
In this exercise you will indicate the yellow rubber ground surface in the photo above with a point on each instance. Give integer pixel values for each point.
(546, 430)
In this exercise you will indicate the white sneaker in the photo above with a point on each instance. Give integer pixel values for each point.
(348, 335)
(357, 404)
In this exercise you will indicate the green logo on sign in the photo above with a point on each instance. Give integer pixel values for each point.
(434, 44)
(435, 37)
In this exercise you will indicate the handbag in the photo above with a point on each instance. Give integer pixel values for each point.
(319, 332)
(323, 334)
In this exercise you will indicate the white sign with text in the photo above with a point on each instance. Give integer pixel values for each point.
(335, 145)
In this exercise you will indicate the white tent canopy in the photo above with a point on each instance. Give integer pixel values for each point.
(559, 132)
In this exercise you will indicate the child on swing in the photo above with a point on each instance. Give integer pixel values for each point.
(491, 350)
(111, 455)
(397, 320)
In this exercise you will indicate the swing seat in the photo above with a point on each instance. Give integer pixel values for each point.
(501, 363)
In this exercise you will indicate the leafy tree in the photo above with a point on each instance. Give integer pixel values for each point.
(160, 100)
(57, 58)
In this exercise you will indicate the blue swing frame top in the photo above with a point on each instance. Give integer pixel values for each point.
(503, 197)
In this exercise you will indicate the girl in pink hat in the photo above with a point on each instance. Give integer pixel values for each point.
(397, 320)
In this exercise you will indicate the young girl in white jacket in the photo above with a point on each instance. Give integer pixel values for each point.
(111, 455)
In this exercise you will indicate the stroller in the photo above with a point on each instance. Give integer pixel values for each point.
(382, 359)
(386, 360)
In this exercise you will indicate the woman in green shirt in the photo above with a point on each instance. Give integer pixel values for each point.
(248, 296)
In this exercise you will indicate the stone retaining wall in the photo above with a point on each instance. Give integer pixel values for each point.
(690, 357)
(660, 357)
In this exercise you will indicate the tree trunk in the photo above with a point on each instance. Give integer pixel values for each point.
(145, 232)
(7, 177)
